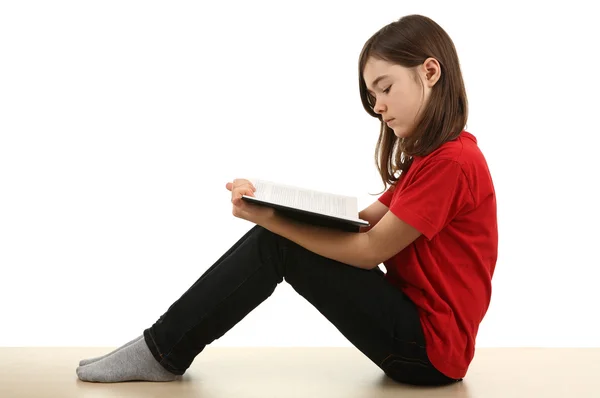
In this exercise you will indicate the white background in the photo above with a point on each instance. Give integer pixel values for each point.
(121, 122)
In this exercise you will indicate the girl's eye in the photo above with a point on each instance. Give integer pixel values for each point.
(387, 90)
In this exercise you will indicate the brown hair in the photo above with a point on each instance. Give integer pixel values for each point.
(409, 42)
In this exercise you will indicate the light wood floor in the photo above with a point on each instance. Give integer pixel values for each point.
(305, 372)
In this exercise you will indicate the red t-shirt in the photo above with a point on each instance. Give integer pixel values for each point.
(449, 197)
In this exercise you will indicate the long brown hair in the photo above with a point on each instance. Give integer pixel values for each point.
(409, 42)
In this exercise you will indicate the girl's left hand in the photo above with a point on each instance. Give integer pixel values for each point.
(242, 209)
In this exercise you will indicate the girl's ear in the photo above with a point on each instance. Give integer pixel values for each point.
(431, 71)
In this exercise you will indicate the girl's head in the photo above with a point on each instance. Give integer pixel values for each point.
(409, 72)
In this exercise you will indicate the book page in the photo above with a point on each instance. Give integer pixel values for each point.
(306, 199)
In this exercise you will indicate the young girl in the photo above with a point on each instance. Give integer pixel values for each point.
(434, 229)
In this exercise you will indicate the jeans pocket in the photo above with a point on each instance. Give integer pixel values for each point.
(397, 362)
(415, 371)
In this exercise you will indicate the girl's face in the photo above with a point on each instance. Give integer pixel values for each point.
(399, 96)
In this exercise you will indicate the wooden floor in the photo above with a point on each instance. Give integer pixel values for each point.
(305, 372)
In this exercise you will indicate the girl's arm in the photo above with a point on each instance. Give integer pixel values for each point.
(373, 213)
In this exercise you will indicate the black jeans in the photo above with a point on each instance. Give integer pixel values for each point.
(377, 318)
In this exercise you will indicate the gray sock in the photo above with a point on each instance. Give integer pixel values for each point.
(134, 362)
(84, 362)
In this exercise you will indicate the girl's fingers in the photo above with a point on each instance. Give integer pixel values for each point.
(245, 188)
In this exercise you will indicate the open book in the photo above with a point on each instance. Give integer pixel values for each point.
(308, 206)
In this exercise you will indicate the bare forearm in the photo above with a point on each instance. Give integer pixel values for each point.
(346, 247)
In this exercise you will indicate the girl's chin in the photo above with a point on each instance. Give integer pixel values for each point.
(401, 133)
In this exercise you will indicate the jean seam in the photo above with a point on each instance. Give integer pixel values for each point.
(163, 360)
(407, 359)
(400, 356)
(375, 321)
(408, 342)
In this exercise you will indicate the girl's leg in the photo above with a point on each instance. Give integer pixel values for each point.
(230, 289)
(377, 318)
(92, 360)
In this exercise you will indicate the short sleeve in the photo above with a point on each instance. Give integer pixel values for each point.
(435, 194)
(386, 197)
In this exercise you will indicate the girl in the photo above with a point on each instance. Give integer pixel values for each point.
(434, 229)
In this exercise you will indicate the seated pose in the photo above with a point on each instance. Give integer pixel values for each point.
(433, 227)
